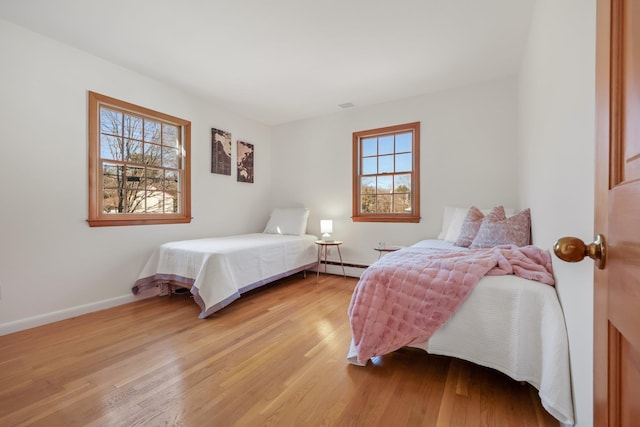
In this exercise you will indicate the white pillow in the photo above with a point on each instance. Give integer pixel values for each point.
(453, 219)
(455, 224)
(446, 220)
(288, 221)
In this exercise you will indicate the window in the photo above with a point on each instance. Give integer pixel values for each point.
(386, 174)
(139, 165)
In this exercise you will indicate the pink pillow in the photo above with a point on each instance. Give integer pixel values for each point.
(515, 230)
(472, 222)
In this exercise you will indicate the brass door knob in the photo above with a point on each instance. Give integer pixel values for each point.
(572, 249)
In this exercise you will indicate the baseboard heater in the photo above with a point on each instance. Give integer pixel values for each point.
(345, 264)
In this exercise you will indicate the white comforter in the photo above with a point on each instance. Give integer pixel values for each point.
(219, 269)
(515, 326)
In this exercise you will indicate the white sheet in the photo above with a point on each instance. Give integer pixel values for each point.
(219, 269)
(515, 326)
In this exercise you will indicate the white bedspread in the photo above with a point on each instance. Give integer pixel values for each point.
(219, 269)
(515, 326)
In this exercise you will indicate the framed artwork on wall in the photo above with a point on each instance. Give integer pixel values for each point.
(245, 162)
(220, 152)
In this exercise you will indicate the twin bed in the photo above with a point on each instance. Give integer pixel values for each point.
(510, 320)
(218, 270)
(508, 323)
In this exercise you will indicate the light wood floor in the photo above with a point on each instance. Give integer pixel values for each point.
(276, 357)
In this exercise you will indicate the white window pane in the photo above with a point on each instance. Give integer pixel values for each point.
(367, 185)
(169, 157)
(403, 142)
(402, 203)
(385, 164)
(154, 201)
(402, 183)
(370, 166)
(385, 144)
(169, 135)
(154, 179)
(385, 184)
(110, 147)
(368, 203)
(135, 177)
(110, 201)
(403, 162)
(152, 131)
(152, 155)
(384, 203)
(369, 147)
(112, 175)
(132, 127)
(110, 122)
(133, 151)
(171, 180)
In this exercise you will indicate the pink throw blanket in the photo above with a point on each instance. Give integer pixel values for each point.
(407, 295)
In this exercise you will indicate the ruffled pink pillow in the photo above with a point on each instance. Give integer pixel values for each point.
(515, 230)
(472, 222)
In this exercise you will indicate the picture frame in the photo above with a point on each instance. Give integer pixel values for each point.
(220, 152)
(245, 153)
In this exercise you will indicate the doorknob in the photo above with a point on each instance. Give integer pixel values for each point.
(572, 249)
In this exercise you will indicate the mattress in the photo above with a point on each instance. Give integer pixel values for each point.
(219, 269)
(513, 325)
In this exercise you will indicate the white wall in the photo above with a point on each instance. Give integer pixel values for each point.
(52, 264)
(468, 143)
(556, 157)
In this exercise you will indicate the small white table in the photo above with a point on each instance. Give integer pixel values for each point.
(384, 249)
(322, 244)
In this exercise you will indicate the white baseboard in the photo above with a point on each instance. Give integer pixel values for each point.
(54, 316)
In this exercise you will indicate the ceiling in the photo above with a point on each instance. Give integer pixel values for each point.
(277, 61)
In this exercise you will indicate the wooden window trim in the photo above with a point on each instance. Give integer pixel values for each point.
(99, 219)
(357, 215)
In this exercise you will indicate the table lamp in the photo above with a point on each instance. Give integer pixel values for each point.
(326, 228)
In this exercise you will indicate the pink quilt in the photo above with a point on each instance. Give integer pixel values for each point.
(407, 295)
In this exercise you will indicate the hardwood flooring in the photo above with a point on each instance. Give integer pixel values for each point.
(275, 357)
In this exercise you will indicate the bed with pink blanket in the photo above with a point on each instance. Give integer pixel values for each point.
(496, 307)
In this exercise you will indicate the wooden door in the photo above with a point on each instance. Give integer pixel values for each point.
(617, 215)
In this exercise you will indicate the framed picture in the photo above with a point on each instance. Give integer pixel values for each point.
(245, 162)
(220, 152)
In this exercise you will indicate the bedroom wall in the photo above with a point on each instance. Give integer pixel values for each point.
(556, 158)
(52, 264)
(467, 157)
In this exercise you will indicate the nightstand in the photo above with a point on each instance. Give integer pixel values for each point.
(322, 244)
(384, 249)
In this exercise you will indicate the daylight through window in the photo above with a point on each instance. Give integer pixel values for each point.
(386, 176)
(138, 165)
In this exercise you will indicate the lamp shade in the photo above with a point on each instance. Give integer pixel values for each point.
(326, 226)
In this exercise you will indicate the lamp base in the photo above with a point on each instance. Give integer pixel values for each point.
(326, 237)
